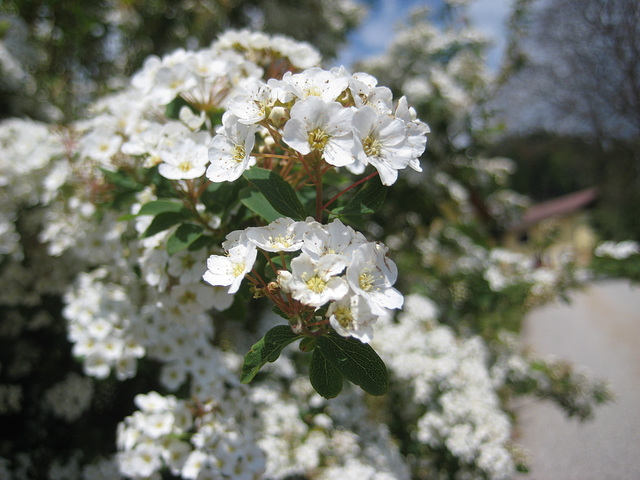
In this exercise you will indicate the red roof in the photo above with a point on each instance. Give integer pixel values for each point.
(558, 206)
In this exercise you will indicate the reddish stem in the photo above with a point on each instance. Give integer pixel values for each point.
(348, 188)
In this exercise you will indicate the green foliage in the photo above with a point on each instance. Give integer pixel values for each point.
(333, 357)
(369, 199)
(258, 204)
(356, 361)
(185, 235)
(74, 59)
(324, 377)
(267, 349)
(279, 193)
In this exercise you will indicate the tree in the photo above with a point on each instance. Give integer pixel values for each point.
(575, 72)
(84, 49)
(582, 69)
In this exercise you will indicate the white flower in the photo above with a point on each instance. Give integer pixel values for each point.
(252, 107)
(229, 270)
(619, 251)
(313, 82)
(171, 80)
(352, 316)
(332, 239)
(314, 282)
(281, 235)
(321, 126)
(187, 160)
(100, 144)
(416, 131)
(190, 119)
(381, 141)
(230, 150)
(371, 274)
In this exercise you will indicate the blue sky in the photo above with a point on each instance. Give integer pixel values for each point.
(377, 30)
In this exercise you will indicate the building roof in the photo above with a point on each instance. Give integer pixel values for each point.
(558, 206)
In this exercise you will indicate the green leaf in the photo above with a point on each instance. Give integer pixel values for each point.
(324, 377)
(258, 204)
(164, 221)
(278, 311)
(185, 235)
(357, 361)
(122, 180)
(277, 191)
(267, 349)
(160, 206)
(173, 108)
(222, 197)
(368, 199)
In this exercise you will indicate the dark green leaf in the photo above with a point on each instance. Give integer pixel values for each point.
(278, 311)
(368, 199)
(165, 220)
(221, 197)
(204, 241)
(258, 204)
(307, 344)
(122, 180)
(357, 361)
(185, 235)
(324, 377)
(277, 191)
(160, 206)
(267, 349)
(173, 108)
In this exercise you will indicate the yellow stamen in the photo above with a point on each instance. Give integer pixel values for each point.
(318, 139)
(372, 146)
(366, 281)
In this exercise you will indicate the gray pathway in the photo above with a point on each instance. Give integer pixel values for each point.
(600, 330)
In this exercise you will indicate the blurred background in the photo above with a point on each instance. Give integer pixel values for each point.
(559, 78)
(533, 160)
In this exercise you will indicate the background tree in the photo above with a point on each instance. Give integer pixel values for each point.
(82, 50)
(576, 73)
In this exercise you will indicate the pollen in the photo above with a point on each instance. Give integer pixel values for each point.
(344, 317)
(372, 146)
(284, 241)
(366, 280)
(238, 153)
(187, 298)
(185, 166)
(316, 284)
(318, 139)
(238, 268)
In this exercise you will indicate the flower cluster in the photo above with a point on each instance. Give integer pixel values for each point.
(241, 141)
(193, 440)
(336, 267)
(342, 119)
(451, 380)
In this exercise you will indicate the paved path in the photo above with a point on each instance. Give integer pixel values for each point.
(600, 330)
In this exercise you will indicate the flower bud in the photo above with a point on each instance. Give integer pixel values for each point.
(278, 116)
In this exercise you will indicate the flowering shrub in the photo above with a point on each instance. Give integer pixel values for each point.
(213, 213)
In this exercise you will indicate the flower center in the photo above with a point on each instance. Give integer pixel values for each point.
(372, 146)
(187, 298)
(316, 284)
(318, 139)
(281, 241)
(238, 153)
(365, 280)
(185, 166)
(238, 268)
(188, 262)
(344, 317)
